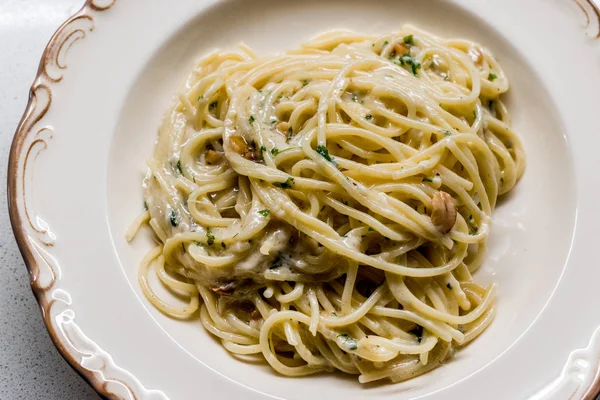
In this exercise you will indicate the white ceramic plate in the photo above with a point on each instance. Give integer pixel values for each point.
(78, 158)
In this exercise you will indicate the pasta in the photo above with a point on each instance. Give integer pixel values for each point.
(325, 208)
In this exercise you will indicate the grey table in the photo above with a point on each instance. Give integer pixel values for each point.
(30, 365)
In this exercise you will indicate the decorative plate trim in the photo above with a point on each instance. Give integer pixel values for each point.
(592, 17)
(34, 237)
(33, 234)
(579, 377)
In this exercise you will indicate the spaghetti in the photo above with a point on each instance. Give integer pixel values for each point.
(325, 208)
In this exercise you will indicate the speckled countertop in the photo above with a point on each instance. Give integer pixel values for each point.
(30, 366)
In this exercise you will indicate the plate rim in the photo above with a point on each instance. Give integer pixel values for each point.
(23, 130)
(65, 35)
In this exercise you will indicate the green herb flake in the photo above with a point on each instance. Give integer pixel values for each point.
(473, 229)
(409, 40)
(223, 245)
(305, 82)
(277, 262)
(173, 218)
(348, 341)
(145, 206)
(210, 238)
(263, 149)
(179, 167)
(446, 132)
(449, 286)
(251, 119)
(406, 59)
(273, 120)
(385, 43)
(354, 98)
(213, 105)
(275, 151)
(418, 332)
(322, 150)
(474, 114)
(200, 98)
(368, 117)
(492, 76)
(426, 179)
(264, 213)
(285, 185)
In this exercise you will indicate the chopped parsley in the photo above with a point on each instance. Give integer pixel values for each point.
(409, 40)
(449, 286)
(426, 179)
(173, 218)
(446, 132)
(354, 98)
(492, 76)
(179, 167)
(368, 117)
(406, 59)
(251, 119)
(213, 105)
(385, 43)
(145, 206)
(322, 150)
(285, 185)
(200, 98)
(418, 332)
(263, 149)
(264, 213)
(348, 341)
(223, 245)
(472, 227)
(273, 120)
(277, 262)
(210, 238)
(275, 151)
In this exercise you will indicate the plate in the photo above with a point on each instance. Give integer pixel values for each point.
(78, 156)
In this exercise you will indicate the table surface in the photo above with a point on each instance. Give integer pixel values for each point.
(30, 365)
